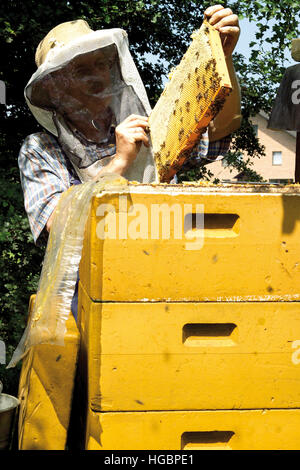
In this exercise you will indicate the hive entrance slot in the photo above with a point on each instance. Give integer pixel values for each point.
(206, 439)
(209, 334)
(213, 225)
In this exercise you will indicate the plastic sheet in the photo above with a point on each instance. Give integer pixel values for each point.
(47, 323)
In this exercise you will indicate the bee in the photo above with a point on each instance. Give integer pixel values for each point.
(157, 157)
(181, 133)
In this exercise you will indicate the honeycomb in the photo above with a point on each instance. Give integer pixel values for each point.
(196, 92)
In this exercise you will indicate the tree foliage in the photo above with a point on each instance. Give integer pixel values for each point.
(159, 33)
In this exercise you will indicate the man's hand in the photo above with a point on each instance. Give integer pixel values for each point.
(227, 24)
(130, 134)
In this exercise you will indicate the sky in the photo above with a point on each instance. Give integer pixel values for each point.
(247, 35)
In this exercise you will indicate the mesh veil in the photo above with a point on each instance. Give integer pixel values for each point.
(93, 81)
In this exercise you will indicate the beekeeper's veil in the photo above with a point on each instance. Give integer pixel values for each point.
(85, 85)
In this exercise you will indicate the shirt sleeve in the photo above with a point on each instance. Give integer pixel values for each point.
(219, 148)
(44, 177)
(206, 151)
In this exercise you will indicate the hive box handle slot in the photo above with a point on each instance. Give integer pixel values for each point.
(209, 334)
(206, 440)
(213, 225)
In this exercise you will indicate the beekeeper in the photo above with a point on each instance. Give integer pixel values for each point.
(92, 105)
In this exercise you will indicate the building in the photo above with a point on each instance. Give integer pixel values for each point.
(277, 166)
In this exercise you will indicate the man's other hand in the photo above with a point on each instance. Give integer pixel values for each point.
(227, 23)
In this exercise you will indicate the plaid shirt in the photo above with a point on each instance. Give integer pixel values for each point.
(46, 173)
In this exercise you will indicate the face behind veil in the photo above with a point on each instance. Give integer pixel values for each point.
(89, 93)
(81, 92)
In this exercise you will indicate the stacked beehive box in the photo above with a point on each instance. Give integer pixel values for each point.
(45, 391)
(189, 331)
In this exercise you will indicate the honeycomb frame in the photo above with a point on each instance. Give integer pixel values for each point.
(196, 92)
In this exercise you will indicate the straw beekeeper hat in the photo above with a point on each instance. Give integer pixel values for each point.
(73, 38)
(60, 36)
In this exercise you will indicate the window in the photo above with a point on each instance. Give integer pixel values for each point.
(255, 129)
(277, 158)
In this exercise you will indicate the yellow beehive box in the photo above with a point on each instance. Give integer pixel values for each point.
(45, 392)
(189, 356)
(196, 92)
(192, 243)
(194, 430)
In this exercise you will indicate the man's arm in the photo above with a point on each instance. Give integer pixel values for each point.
(44, 177)
(228, 119)
(130, 135)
